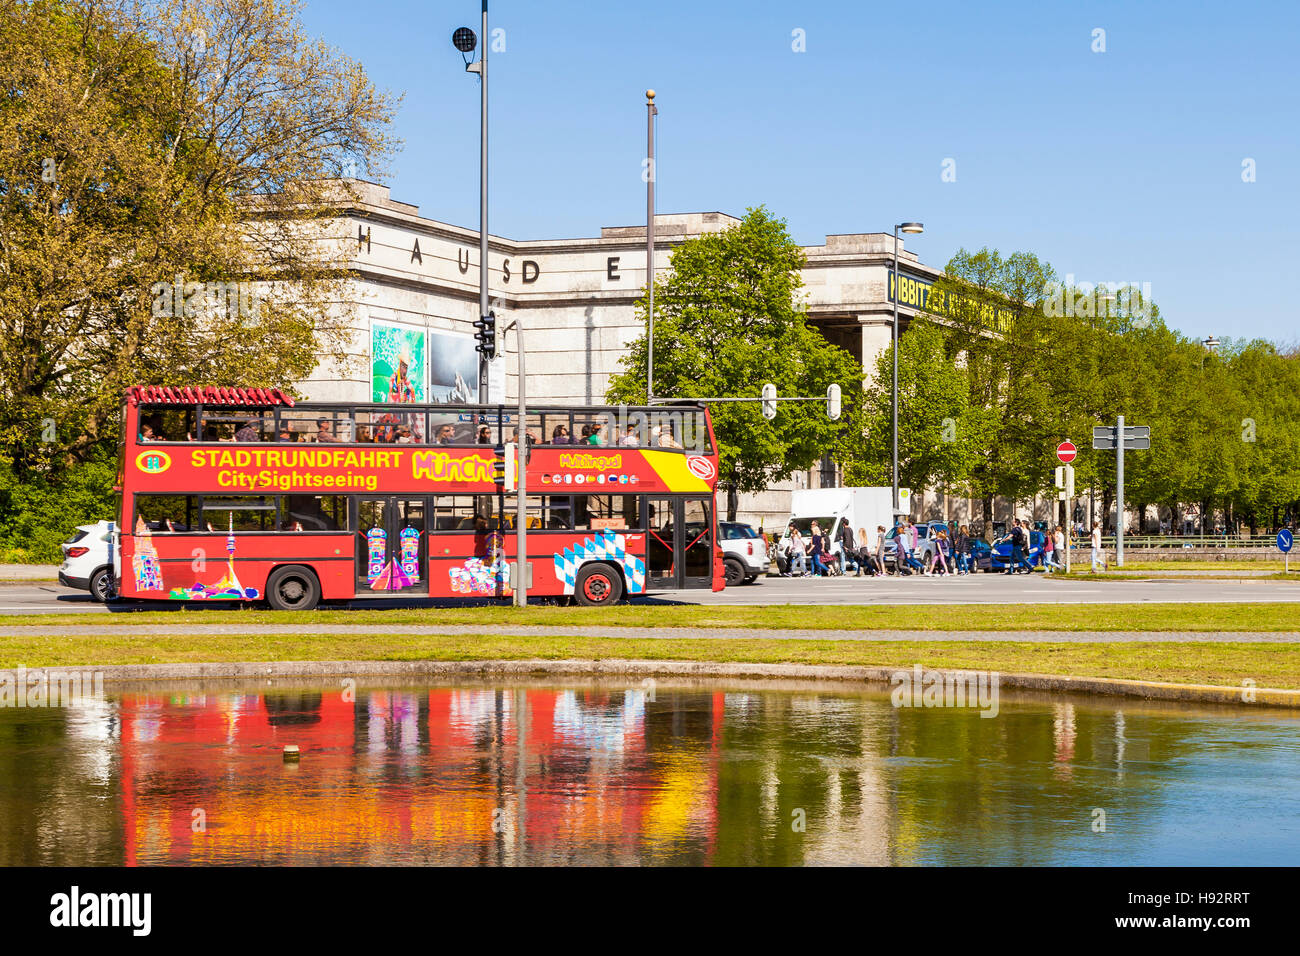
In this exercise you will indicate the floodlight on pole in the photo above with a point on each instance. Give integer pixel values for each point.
(912, 228)
(465, 40)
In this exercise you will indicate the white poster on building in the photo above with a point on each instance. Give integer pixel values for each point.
(453, 368)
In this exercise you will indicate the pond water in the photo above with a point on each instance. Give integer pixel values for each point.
(585, 772)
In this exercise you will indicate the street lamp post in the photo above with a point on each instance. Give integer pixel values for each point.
(914, 228)
(465, 41)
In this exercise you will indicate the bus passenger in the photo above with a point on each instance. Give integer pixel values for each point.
(561, 436)
(446, 434)
(363, 433)
(630, 439)
(484, 435)
(666, 439)
(325, 430)
(249, 431)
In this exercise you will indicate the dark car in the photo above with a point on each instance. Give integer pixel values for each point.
(996, 556)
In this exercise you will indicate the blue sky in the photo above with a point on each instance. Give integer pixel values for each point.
(1122, 166)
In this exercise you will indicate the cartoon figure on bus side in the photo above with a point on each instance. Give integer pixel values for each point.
(486, 576)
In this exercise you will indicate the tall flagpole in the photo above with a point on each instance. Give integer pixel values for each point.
(651, 110)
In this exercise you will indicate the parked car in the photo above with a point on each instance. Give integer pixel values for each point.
(997, 557)
(744, 555)
(87, 561)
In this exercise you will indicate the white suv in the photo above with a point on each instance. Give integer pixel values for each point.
(744, 554)
(88, 562)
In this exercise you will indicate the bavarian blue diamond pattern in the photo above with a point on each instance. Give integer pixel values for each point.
(606, 546)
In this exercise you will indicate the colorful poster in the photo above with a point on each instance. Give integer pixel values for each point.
(399, 363)
(377, 546)
(410, 542)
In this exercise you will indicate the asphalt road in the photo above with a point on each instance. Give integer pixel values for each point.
(23, 598)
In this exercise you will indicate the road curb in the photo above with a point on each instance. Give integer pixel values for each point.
(1146, 690)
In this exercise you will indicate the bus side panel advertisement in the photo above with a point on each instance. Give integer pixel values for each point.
(342, 469)
(216, 567)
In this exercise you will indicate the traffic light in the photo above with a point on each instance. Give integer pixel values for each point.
(505, 467)
(487, 335)
(833, 403)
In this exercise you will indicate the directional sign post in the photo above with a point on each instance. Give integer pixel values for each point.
(1119, 438)
(1284, 542)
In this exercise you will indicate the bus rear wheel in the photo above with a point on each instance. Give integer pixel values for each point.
(598, 585)
(292, 589)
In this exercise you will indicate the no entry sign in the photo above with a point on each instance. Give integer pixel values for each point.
(1066, 451)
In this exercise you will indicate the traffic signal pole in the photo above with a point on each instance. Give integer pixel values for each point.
(521, 509)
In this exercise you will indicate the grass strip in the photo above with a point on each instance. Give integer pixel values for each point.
(1210, 618)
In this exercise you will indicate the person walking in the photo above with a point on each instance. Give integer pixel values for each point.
(913, 536)
(962, 546)
(900, 548)
(880, 549)
(1018, 538)
(818, 551)
(941, 565)
(797, 552)
(1049, 551)
(863, 554)
(1098, 555)
(1058, 547)
(848, 550)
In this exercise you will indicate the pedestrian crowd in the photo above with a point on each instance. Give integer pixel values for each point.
(931, 549)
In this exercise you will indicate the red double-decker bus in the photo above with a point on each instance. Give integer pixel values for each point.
(241, 494)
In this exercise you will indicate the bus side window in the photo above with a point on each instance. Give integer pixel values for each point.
(165, 513)
(314, 513)
(473, 513)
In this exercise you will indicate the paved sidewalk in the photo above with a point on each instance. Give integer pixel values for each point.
(183, 629)
(29, 572)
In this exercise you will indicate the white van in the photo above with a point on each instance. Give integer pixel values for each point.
(831, 507)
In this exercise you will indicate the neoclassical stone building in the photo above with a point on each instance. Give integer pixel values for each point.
(418, 284)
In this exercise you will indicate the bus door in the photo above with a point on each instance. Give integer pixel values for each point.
(679, 548)
(662, 564)
(392, 547)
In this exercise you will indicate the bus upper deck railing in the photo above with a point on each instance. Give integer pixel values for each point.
(679, 427)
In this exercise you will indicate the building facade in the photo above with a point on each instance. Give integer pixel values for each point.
(416, 297)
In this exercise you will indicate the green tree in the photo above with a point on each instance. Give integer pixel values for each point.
(728, 318)
(939, 434)
(998, 332)
(140, 143)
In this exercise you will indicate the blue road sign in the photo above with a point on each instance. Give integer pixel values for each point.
(1284, 540)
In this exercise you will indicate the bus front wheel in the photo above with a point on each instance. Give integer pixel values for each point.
(292, 589)
(598, 585)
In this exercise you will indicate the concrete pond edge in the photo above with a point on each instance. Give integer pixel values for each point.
(1051, 683)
